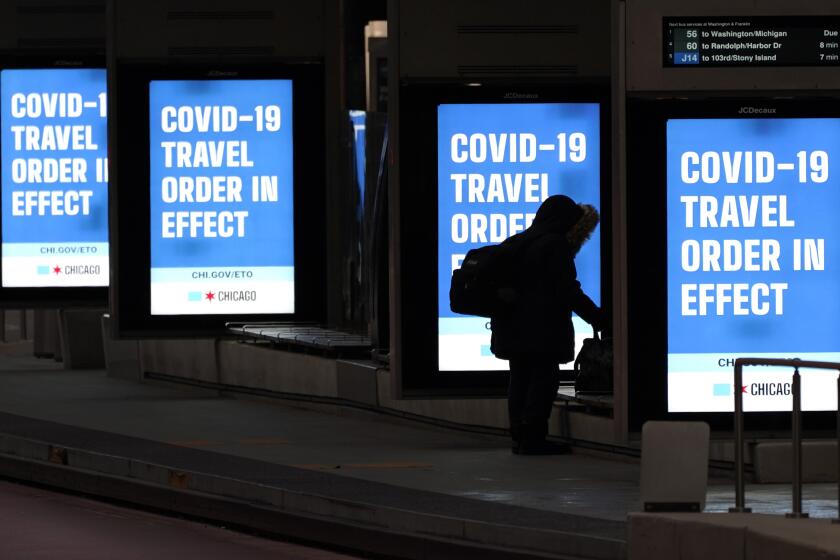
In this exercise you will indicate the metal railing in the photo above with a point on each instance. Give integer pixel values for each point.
(796, 428)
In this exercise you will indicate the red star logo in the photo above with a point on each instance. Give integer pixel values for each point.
(744, 389)
(209, 296)
(57, 269)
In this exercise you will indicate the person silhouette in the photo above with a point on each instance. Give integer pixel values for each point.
(535, 333)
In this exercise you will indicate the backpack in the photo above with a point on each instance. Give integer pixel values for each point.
(485, 283)
(594, 366)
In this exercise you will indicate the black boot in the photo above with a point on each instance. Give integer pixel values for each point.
(533, 441)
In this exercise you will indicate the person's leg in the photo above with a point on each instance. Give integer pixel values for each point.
(520, 376)
(542, 391)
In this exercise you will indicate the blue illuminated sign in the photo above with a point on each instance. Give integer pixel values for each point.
(496, 164)
(53, 149)
(687, 57)
(358, 119)
(222, 220)
(753, 258)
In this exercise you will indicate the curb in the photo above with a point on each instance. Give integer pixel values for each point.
(354, 525)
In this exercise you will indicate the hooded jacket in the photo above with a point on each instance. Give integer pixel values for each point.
(539, 323)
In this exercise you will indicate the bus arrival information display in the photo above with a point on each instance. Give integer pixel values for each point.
(55, 178)
(496, 164)
(222, 237)
(696, 42)
(753, 259)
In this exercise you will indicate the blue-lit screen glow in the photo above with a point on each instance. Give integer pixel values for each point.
(222, 229)
(496, 164)
(753, 259)
(53, 149)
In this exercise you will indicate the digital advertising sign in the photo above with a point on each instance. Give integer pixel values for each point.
(496, 163)
(753, 259)
(53, 149)
(221, 197)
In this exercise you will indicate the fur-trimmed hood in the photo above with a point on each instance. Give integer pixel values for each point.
(583, 228)
(560, 214)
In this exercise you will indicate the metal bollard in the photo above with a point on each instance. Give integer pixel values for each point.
(739, 443)
(796, 428)
(796, 442)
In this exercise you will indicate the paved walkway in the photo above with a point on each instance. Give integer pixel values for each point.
(348, 443)
(451, 470)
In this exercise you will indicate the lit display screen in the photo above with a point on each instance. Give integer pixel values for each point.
(53, 148)
(496, 164)
(753, 259)
(222, 217)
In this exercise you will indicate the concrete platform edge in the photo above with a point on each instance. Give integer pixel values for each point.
(342, 523)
